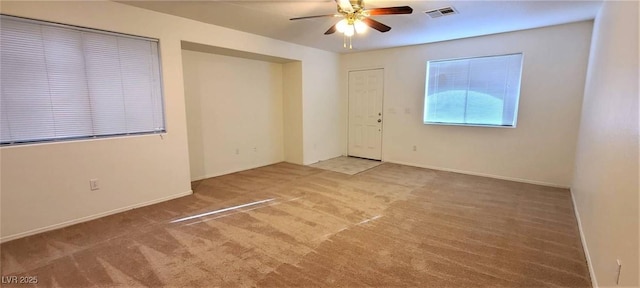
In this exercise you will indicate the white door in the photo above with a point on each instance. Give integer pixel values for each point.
(365, 113)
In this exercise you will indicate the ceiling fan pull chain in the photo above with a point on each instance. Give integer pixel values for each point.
(350, 47)
(344, 41)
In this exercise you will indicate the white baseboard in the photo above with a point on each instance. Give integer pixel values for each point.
(482, 174)
(90, 217)
(594, 282)
(230, 171)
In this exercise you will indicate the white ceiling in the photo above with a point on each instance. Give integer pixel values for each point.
(475, 18)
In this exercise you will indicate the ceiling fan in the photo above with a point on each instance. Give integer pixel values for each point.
(356, 19)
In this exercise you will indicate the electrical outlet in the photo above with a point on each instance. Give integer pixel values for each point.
(415, 148)
(255, 149)
(94, 185)
(237, 151)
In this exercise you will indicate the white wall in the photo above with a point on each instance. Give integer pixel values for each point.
(323, 109)
(540, 150)
(234, 113)
(46, 186)
(292, 101)
(605, 186)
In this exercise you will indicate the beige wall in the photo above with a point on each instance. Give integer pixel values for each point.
(292, 101)
(605, 186)
(47, 186)
(540, 150)
(234, 113)
(323, 109)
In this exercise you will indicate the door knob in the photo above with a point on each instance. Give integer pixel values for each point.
(379, 120)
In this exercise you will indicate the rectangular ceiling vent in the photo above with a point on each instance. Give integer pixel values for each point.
(441, 12)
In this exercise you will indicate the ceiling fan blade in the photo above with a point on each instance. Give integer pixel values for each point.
(376, 25)
(331, 30)
(390, 10)
(315, 16)
(345, 5)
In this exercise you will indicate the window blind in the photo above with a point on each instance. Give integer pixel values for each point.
(473, 91)
(63, 82)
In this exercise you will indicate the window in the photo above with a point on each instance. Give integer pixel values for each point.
(480, 91)
(63, 82)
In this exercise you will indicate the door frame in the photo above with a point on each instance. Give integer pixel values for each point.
(384, 92)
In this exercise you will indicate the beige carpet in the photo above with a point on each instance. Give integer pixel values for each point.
(297, 226)
(347, 165)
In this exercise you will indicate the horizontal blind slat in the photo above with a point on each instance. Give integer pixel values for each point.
(67, 82)
(25, 87)
(482, 91)
(136, 84)
(64, 82)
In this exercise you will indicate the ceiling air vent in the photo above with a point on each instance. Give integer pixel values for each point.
(441, 12)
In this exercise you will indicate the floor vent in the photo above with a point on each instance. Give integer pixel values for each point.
(441, 12)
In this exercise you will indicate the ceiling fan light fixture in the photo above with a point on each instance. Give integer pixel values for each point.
(342, 25)
(349, 31)
(356, 19)
(360, 26)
